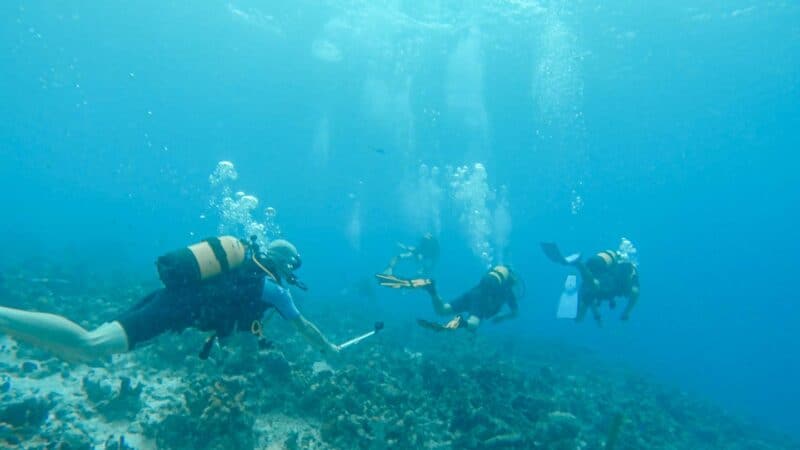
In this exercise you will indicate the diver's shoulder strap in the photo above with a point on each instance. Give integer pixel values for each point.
(265, 270)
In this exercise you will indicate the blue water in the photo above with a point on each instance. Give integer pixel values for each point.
(673, 124)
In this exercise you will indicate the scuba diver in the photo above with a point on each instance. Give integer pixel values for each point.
(605, 276)
(483, 301)
(221, 285)
(424, 255)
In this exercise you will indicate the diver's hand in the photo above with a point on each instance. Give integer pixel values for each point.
(572, 259)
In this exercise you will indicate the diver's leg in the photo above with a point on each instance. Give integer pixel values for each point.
(439, 305)
(61, 336)
(390, 267)
(587, 277)
(596, 313)
(583, 306)
(393, 262)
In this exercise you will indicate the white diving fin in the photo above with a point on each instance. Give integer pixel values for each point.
(568, 303)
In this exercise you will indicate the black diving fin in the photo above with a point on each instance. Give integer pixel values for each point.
(394, 282)
(454, 324)
(553, 253)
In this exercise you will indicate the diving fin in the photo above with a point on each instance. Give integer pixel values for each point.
(553, 253)
(568, 303)
(394, 282)
(572, 259)
(454, 324)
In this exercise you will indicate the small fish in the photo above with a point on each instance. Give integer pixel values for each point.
(379, 150)
(49, 280)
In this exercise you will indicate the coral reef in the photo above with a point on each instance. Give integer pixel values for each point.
(116, 399)
(404, 389)
(213, 416)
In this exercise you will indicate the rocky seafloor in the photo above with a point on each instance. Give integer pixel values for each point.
(406, 388)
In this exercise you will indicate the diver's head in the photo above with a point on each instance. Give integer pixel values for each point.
(627, 252)
(284, 257)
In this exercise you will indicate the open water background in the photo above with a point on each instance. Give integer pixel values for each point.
(674, 124)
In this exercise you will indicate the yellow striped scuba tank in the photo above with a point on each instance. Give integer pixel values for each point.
(201, 261)
(608, 256)
(505, 277)
(501, 274)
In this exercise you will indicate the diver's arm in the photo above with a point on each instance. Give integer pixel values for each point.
(314, 337)
(281, 299)
(632, 299)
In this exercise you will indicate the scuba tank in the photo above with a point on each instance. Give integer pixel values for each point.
(201, 261)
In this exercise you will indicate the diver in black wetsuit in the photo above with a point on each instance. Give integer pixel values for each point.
(219, 286)
(605, 276)
(425, 255)
(484, 301)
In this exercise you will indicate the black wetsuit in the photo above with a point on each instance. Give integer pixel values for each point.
(222, 304)
(486, 299)
(615, 279)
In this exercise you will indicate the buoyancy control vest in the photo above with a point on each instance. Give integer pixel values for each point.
(615, 276)
(232, 300)
(222, 278)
